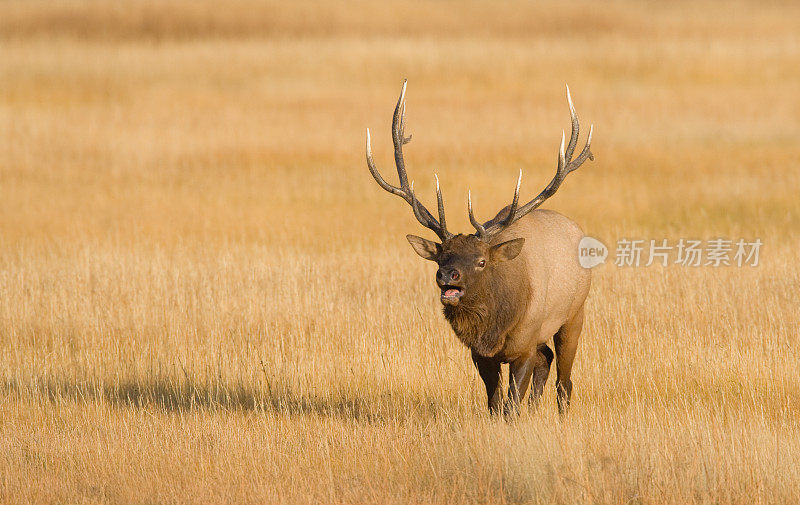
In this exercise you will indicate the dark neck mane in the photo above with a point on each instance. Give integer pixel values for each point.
(483, 318)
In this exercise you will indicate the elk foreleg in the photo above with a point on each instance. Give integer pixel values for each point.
(521, 372)
(489, 370)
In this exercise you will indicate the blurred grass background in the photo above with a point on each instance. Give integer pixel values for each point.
(204, 296)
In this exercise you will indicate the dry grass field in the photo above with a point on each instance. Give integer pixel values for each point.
(205, 298)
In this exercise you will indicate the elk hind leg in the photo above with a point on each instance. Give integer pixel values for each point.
(566, 344)
(541, 370)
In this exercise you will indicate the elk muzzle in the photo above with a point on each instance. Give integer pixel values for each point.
(448, 279)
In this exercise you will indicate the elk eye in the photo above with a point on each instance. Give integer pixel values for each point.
(482, 263)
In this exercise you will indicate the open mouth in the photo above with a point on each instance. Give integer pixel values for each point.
(451, 295)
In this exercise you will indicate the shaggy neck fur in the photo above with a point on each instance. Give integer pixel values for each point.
(483, 318)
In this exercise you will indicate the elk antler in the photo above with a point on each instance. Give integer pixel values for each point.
(566, 164)
(405, 191)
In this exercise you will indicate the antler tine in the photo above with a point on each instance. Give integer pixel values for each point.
(586, 153)
(398, 127)
(515, 201)
(573, 138)
(405, 191)
(440, 203)
(478, 226)
(512, 209)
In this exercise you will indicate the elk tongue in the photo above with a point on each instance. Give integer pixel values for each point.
(451, 292)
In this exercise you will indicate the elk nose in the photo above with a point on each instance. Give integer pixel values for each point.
(446, 275)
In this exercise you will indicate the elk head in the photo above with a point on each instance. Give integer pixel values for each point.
(466, 262)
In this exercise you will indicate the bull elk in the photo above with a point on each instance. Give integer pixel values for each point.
(511, 286)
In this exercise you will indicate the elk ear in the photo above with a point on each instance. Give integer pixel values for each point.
(507, 250)
(428, 249)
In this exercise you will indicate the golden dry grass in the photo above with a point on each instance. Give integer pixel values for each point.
(204, 297)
